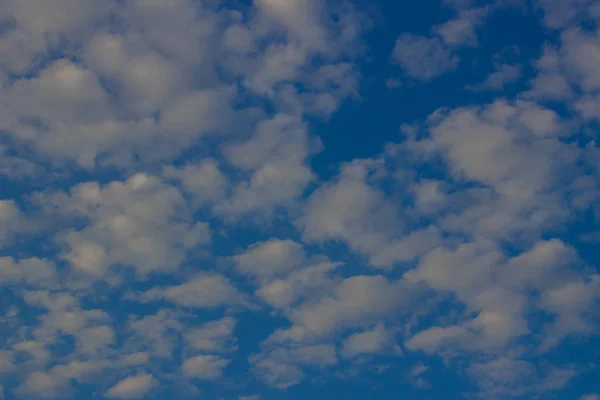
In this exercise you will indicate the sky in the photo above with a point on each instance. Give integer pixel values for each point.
(292, 199)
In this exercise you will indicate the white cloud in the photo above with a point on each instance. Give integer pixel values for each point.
(582, 56)
(133, 387)
(355, 302)
(461, 31)
(203, 180)
(16, 167)
(6, 361)
(187, 111)
(56, 383)
(301, 18)
(270, 258)
(487, 145)
(13, 222)
(141, 222)
(274, 160)
(551, 81)
(353, 209)
(505, 74)
(283, 367)
(371, 341)
(214, 336)
(301, 283)
(32, 271)
(506, 377)
(415, 376)
(561, 13)
(496, 288)
(206, 367)
(96, 339)
(570, 303)
(423, 58)
(144, 85)
(157, 334)
(590, 396)
(203, 291)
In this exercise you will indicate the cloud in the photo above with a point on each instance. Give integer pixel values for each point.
(415, 376)
(270, 258)
(32, 271)
(372, 341)
(163, 181)
(214, 336)
(485, 146)
(202, 291)
(581, 54)
(461, 31)
(274, 161)
(6, 361)
(500, 299)
(133, 387)
(355, 302)
(282, 367)
(142, 73)
(559, 14)
(353, 209)
(56, 382)
(281, 293)
(206, 367)
(590, 396)
(505, 74)
(423, 58)
(551, 82)
(13, 222)
(252, 397)
(204, 180)
(508, 377)
(141, 222)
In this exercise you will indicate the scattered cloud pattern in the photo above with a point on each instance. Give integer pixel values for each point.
(227, 200)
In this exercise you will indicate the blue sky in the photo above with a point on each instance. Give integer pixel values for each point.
(291, 199)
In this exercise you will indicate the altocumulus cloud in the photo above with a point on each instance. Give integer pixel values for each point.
(223, 199)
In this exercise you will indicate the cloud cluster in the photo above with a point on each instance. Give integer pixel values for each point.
(159, 159)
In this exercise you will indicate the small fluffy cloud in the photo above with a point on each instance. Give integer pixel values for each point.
(141, 222)
(56, 382)
(372, 341)
(284, 367)
(355, 302)
(214, 336)
(13, 222)
(133, 387)
(461, 30)
(32, 271)
(415, 376)
(205, 367)
(505, 74)
(204, 180)
(423, 58)
(203, 291)
(590, 396)
(353, 209)
(270, 258)
(313, 279)
(274, 162)
(506, 377)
